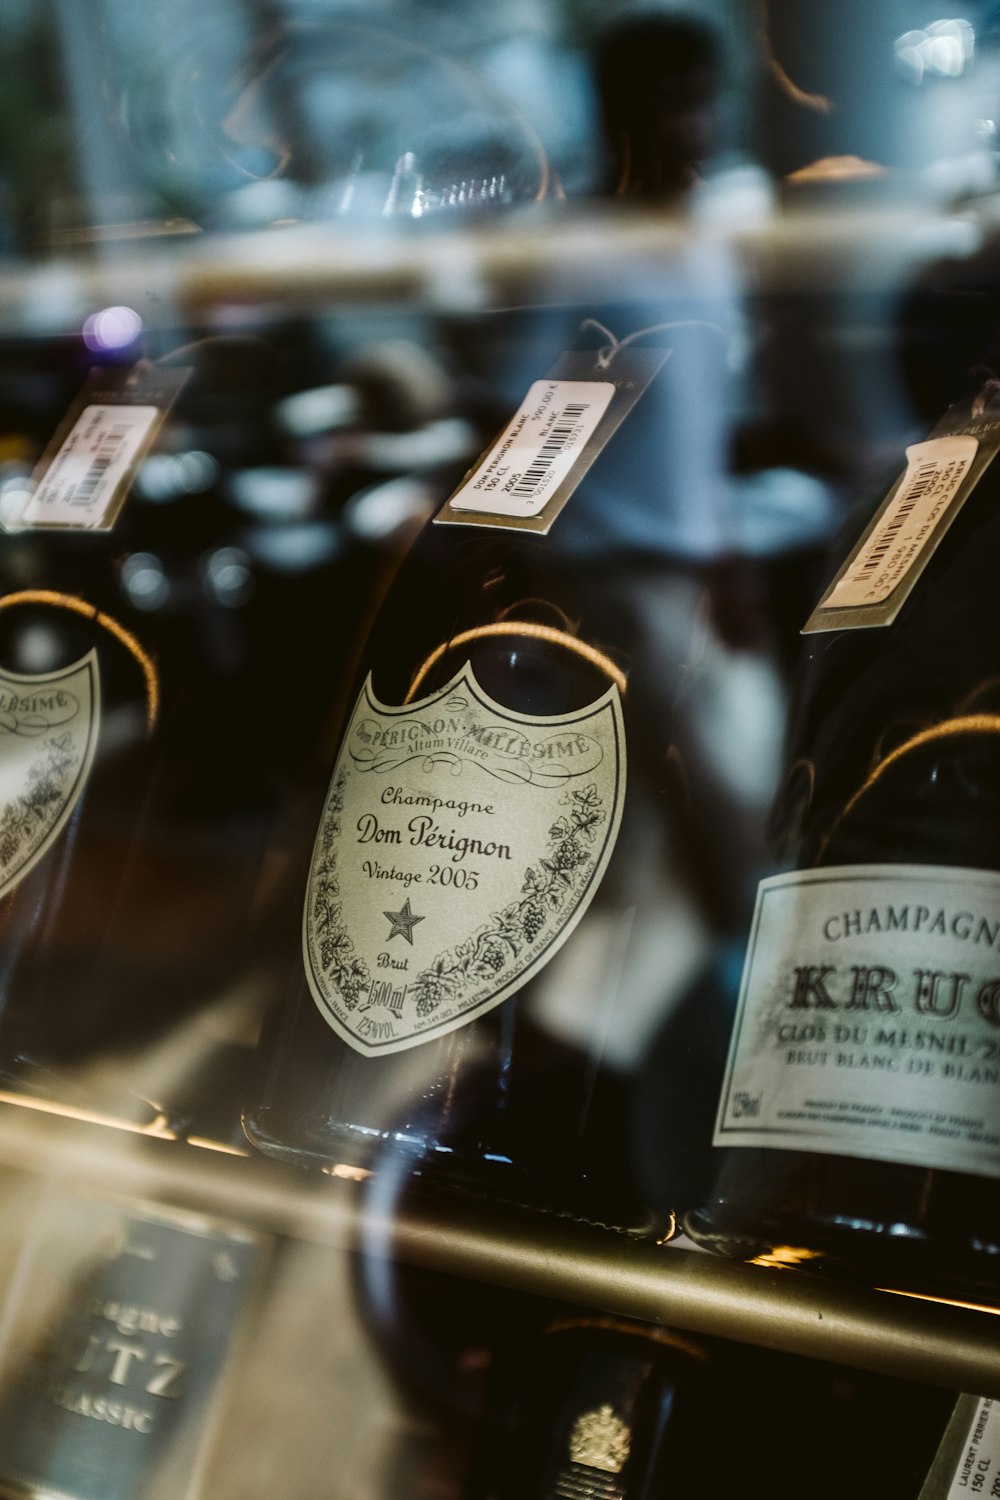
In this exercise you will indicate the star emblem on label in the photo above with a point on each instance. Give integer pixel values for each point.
(403, 922)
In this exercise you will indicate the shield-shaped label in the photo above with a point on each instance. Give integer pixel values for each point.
(48, 731)
(459, 846)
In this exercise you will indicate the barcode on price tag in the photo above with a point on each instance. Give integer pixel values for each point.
(886, 565)
(933, 474)
(80, 484)
(565, 422)
(537, 449)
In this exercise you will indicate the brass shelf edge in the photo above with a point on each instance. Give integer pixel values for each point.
(790, 1311)
(536, 256)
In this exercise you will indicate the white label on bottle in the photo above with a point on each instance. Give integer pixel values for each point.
(459, 846)
(141, 1308)
(48, 731)
(978, 1469)
(868, 1022)
(907, 522)
(537, 449)
(81, 484)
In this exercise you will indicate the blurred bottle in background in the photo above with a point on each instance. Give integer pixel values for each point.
(118, 1330)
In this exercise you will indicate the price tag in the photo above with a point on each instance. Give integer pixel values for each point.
(967, 1463)
(565, 421)
(885, 566)
(934, 472)
(85, 473)
(537, 448)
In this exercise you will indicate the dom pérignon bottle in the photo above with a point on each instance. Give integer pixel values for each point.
(78, 711)
(109, 847)
(468, 885)
(859, 1113)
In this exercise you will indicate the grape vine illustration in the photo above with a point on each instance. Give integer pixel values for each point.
(337, 957)
(26, 819)
(546, 890)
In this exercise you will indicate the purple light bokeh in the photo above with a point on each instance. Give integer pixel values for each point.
(112, 328)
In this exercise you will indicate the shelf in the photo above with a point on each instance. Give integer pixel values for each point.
(530, 258)
(916, 1339)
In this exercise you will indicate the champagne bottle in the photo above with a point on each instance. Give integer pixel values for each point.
(117, 1329)
(80, 708)
(593, 1407)
(470, 903)
(858, 1107)
(440, 831)
(106, 849)
(604, 1407)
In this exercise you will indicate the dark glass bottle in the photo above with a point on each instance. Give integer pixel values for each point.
(861, 1087)
(80, 712)
(610, 1409)
(111, 840)
(593, 1407)
(118, 1327)
(497, 658)
(484, 942)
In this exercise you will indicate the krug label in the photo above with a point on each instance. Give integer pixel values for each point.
(48, 731)
(460, 844)
(868, 1022)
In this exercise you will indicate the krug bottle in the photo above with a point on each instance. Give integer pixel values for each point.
(859, 1114)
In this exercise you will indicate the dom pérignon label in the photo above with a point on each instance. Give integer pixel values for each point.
(460, 844)
(48, 730)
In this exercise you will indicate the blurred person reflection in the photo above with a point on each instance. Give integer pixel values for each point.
(657, 534)
(658, 521)
(874, 119)
(657, 80)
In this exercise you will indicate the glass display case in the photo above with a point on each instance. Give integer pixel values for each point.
(498, 696)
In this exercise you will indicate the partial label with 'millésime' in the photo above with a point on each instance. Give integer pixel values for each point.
(868, 1022)
(48, 732)
(460, 844)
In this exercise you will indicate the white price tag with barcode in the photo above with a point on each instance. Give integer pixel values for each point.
(934, 471)
(537, 449)
(80, 486)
